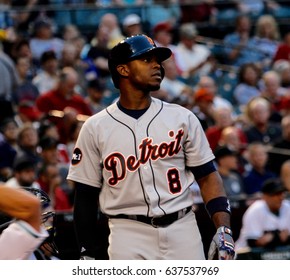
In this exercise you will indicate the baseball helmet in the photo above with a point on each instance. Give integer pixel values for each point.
(132, 48)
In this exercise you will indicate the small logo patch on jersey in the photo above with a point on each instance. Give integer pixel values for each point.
(76, 157)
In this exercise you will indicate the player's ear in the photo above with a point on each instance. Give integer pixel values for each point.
(123, 70)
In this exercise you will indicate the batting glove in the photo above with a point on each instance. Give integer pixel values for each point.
(223, 244)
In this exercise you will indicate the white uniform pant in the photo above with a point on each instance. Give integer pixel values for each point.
(133, 240)
(19, 240)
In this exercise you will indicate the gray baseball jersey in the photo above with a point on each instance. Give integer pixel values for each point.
(140, 163)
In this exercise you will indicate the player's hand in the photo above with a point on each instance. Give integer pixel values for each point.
(284, 235)
(223, 244)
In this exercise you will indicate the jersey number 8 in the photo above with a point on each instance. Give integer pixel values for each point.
(174, 180)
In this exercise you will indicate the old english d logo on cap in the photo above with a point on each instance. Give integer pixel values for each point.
(150, 40)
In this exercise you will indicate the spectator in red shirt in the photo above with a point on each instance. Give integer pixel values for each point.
(52, 174)
(64, 103)
(49, 180)
(283, 51)
(223, 118)
(274, 93)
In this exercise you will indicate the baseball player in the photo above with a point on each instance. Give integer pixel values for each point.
(138, 159)
(24, 235)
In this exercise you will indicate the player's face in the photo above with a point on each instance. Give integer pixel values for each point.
(145, 73)
(274, 201)
(50, 155)
(26, 177)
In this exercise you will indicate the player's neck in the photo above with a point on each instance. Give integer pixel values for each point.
(135, 103)
(136, 114)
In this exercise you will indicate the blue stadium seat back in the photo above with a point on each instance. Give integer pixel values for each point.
(88, 17)
(192, 80)
(216, 50)
(62, 17)
(283, 12)
(226, 86)
(158, 13)
(113, 93)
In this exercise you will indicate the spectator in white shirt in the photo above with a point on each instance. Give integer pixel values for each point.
(192, 58)
(265, 223)
(172, 84)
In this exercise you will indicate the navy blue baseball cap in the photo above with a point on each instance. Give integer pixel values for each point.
(273, 186)
(132, 48)
(135, 46)
(223, 151)
(23, 162)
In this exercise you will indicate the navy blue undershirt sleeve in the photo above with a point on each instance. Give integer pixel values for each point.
(202, 170)
(85, 218)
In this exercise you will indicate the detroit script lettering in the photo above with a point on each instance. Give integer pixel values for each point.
(118, 165)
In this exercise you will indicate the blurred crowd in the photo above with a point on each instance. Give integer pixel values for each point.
(54, 76)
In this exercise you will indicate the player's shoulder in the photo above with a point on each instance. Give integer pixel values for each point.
(99, 117)
(178, 110)
(171, 106)
(258, 206)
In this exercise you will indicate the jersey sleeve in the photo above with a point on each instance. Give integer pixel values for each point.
(197, 149)
(85, 166)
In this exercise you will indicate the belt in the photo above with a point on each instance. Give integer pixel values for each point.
(159, 221)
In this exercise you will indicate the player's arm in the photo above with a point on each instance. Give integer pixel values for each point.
(211, 188)
(21, 205)
(217, 205)
(25, 234)
(85, 218)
